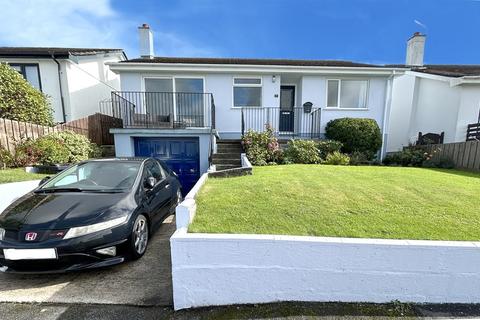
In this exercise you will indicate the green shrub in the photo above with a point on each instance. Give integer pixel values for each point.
(55, 148)
(359, 158)
(356, 135)
(262, 147)
(20, 101)
(337, 158)
(6, 159)
(326, 147)
(302, 151)
(440, 162)
(407, 158)
(79, 147)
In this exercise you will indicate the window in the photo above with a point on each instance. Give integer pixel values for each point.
(247, 92)
(182, 97)
(347, 94)
(30, 72)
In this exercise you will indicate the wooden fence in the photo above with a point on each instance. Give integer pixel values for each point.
(95, 127)
(98, 127)
(465, 155)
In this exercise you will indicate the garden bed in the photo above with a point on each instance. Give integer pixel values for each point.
(332, 201)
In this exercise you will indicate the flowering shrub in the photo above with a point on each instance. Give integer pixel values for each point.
(262, 147)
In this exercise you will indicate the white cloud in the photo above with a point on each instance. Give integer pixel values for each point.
(419, 23)
(82, 23)
(58, 23)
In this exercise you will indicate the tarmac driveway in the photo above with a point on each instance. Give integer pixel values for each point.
(145, 282)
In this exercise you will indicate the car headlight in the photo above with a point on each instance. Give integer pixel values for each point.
(81, 231)
(2, 234)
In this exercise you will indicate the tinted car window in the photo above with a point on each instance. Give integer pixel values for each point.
(97, 175)
(153, 169)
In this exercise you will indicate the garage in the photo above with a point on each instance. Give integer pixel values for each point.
(182, 155)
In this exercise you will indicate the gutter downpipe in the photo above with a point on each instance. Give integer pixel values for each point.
(60, 86)
(388, 102)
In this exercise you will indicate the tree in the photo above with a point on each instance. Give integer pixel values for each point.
(20, 101)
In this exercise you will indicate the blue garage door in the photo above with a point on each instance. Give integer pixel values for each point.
(180, 154)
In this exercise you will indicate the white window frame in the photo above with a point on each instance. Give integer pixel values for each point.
(168, 77)
(339, 102)
(247, 85)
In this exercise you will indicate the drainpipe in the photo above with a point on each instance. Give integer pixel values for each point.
(386, 110)
(60, 87)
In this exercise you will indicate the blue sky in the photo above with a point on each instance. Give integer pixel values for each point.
(372, 31)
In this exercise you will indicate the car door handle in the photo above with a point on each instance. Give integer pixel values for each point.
(167, 186)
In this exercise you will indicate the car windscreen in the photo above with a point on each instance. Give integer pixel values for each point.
(96, 176)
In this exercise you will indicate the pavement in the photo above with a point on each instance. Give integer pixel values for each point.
(145, 282)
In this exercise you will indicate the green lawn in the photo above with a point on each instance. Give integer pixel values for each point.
(351, 201)
(18, 174)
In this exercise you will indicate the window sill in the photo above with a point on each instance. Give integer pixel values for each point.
(346, 109)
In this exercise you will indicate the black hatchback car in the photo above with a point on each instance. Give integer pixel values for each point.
(96, 213)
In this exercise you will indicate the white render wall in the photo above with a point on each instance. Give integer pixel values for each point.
(221, 269)
(89, 81)
(309, 88)
(428, 103)
(314, 89)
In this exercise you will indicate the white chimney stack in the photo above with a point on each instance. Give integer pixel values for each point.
(146, 41)
(415, 49)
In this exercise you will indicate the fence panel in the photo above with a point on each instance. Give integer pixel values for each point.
(96, 127)
(465, 155)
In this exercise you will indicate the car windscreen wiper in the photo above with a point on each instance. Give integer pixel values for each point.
(60, 190)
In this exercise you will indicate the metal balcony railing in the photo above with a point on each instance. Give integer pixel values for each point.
(294, 123)
(140, 109)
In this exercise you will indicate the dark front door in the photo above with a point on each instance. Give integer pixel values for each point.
(182, 155)
(287, 103)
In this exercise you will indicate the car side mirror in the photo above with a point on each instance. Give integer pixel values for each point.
(149, 183)
(44, 180)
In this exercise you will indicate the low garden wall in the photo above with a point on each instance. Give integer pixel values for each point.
(223, 269)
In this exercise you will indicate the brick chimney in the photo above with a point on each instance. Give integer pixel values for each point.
(415, 50)
(146, 41)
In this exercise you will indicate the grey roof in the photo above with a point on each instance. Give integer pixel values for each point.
(447, 70)
(48, 51)
(248, 61)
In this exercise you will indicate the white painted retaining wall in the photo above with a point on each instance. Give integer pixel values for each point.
(223, 269)
(10, 192)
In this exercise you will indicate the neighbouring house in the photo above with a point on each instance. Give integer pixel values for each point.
(183, 109)
(432, 99)
(75, 79)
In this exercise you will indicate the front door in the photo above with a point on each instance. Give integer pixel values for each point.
(287, 103)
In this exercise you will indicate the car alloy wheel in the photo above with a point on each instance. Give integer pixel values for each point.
(140, 235)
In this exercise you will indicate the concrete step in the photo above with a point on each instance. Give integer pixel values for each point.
(226, 166)
(229, 150)
(226, 155)
(235, 161)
